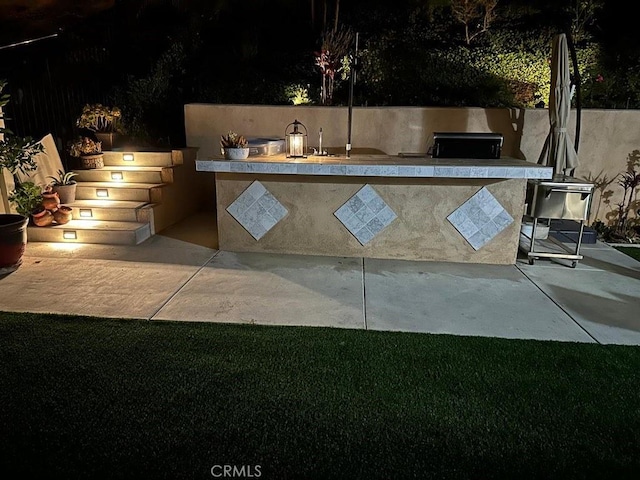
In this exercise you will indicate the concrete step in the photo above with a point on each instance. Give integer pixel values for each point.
(92, 231)
(111, 210)
(165, 158)
(129, 199)
(139, 192)
(126, 174)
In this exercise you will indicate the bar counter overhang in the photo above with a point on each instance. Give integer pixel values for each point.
(373, 206)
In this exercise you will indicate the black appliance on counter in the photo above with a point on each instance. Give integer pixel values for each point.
(466, 145)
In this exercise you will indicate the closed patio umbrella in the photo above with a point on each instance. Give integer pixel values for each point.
(558, 151)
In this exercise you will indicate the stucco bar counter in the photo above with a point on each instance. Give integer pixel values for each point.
(373, 206)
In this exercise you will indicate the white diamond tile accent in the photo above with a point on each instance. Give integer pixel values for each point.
(257, 210)
(480, 218)
(365, 214)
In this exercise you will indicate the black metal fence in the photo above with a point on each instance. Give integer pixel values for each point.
(50, 80)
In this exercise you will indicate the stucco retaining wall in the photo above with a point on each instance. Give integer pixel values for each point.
(607, 139)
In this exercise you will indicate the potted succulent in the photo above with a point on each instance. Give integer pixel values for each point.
(104, 122)
(88, 151)
(17, 155)
(65, 186)
(234, 146)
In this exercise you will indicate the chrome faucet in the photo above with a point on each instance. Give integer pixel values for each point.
(320, 151)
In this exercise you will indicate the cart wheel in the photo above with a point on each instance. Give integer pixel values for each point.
(573, 264)
(531, 260)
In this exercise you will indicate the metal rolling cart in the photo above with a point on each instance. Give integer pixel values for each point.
(564, 198)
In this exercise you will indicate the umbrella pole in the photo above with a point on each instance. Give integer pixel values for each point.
(352, 81)
(576, 75)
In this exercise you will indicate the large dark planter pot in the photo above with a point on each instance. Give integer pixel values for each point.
(109, 140)
(13, 241)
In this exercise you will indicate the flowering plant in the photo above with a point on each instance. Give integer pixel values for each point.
(98, 118)
(333, 58)
(84, 146)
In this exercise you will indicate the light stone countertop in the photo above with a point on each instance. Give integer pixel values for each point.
(380, 166)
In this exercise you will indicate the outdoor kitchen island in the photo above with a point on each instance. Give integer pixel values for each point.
(373, 206)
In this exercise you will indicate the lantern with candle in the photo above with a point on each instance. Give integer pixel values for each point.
(296, 140)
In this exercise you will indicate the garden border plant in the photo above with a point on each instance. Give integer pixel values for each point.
(17, 156)
(625, 229)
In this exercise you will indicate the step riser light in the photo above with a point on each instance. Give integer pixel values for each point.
(118, 176)
(127, 157)
(86, 213)
(69, 235)
(102, 193)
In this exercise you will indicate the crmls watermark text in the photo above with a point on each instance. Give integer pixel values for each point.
(236, 471)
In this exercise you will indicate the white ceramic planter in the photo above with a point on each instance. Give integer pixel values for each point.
(236, 153)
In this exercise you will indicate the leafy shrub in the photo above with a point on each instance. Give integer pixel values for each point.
(152, 105)
(27, 197)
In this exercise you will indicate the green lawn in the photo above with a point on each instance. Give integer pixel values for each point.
(94, 398)
(633, 252)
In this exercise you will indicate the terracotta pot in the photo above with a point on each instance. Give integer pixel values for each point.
(108, 140)
(13, 240)
(50, 200)
(63, 214)
(67, 193)
(43, 218)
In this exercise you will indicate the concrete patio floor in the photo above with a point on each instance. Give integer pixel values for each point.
(178, 275)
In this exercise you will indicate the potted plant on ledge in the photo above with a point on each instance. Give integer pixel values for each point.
(17, 155)
(88, 151)
(65, 186)
(104, 122)
(234, 146)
